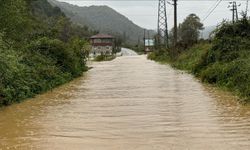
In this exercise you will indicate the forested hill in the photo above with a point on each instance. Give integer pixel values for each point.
(103, 19)
(42, 10)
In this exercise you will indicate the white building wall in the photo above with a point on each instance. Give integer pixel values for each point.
(98, 50)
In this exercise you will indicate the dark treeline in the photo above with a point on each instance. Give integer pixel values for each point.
(39, 49)
(223, 60)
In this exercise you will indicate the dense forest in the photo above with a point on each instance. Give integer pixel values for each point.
(39, 49)
(223, 61)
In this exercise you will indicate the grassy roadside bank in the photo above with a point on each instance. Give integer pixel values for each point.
(225, 62)
(104, 58)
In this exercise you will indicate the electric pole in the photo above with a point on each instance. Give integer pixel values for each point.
(235, 16)
(236, 11)
(144, 38)
(162, 24)
(175, 23)
(138, 44)
(148, 39)
(233, 12)
(247, 7)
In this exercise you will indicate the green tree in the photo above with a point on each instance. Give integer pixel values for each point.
(14, 18)
(188, 31)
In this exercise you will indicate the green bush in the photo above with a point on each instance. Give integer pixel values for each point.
(234, 76)
(70, 57)
(39, 50)
(40, 66)
(229, 58)
(104, 58)
(161, 55)
(193, 58)
(230, 41)
(10, 68)
(23, 75)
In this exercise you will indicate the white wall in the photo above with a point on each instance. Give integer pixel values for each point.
(98, 50)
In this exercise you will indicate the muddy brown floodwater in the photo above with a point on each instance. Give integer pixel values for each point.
(130, 103)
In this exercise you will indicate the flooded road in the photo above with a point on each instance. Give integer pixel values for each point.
(127, 52)
(130, 103)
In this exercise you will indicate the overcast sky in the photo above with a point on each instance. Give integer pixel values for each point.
(144, 12)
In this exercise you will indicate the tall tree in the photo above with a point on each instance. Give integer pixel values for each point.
(189, 31)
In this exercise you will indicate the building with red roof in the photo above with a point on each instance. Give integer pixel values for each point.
(102, 44)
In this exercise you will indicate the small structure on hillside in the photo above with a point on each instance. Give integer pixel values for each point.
(102, 44)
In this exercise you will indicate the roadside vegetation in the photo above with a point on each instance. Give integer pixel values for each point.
(39, 49)
(104, 58)
(223, 61)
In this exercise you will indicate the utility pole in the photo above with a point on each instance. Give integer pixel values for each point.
(233, 12)
(148, 39)
(175, 23)
(138, 43)
(235, 16)
(236, 11)
(162, 24)
(247, 7)
(144, 38)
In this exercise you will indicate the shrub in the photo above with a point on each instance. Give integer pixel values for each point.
(104, 58)
(227, 62)
(161, 55)
(193, 58)
(233, 75)
(68, 58)
(24, 74)
(229, 40)
(40, 66)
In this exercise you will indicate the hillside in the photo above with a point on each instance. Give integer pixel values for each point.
(103, 19)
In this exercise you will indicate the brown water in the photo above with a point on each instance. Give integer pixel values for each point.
(130, 104)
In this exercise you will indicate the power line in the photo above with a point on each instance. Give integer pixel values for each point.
(212, 11)
(212, 6)
(168, 14)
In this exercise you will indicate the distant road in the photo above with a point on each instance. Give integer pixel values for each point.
(127, 52)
